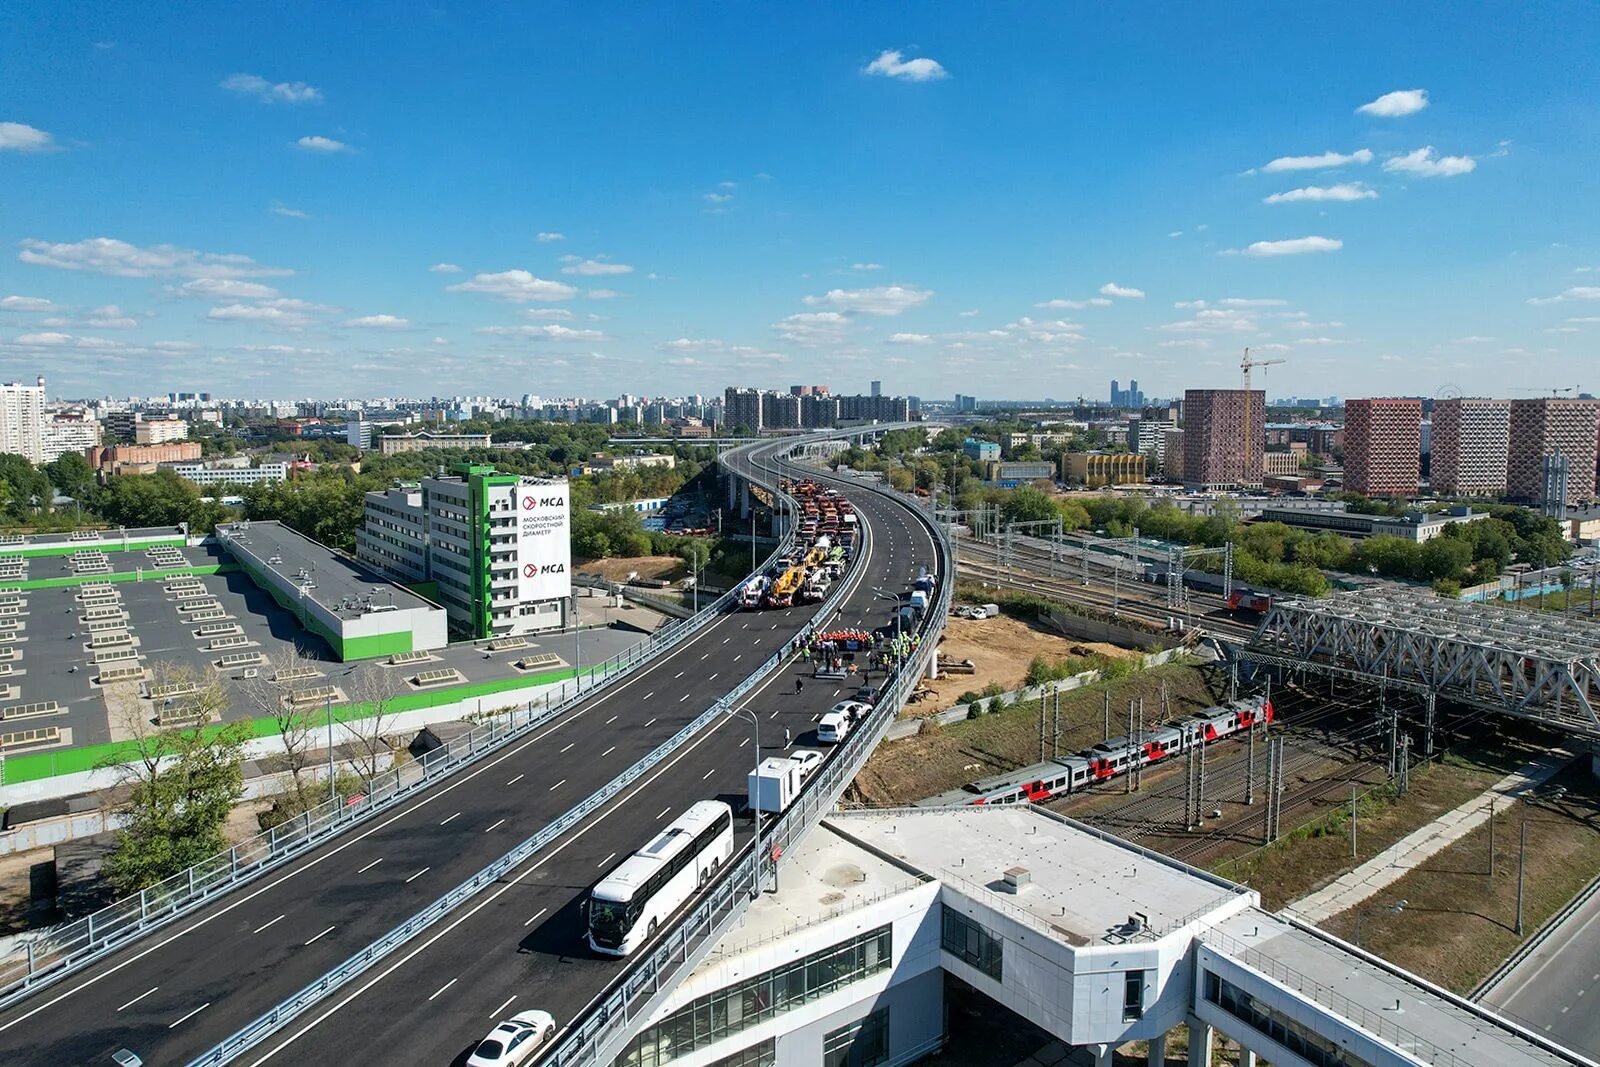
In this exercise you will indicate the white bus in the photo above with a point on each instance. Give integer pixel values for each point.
(643, 891)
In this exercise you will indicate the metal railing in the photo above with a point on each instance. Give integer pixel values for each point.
(50, 955)
(599, 1035)
(298, 1003)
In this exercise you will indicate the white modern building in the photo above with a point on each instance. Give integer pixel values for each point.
(1091, 939)
(497, 545)
(228, 474)
(22, 420)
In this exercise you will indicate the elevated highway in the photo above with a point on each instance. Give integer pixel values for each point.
(173, 996)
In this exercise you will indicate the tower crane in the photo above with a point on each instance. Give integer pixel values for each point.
(1245, 365)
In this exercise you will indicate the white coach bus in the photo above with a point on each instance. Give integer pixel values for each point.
(644, 890)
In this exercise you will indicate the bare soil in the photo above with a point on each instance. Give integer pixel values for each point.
(1000, 649)
(617, 568)
(16, 887)
(1458, 923)
(947, 757)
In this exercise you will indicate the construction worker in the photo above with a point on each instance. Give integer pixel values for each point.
(798, 685)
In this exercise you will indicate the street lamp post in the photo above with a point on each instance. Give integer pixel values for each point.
(755, 806)
(1396, 907)
(333, 791)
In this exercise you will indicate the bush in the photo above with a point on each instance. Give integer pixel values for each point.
(968, 697)
(998, 704)
(975, 710)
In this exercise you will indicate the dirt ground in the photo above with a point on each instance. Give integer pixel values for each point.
(948, 757)
(1458, 923)
(617, 569)
(15, 887)
(1000, 649)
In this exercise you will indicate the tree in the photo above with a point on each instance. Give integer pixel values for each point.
(373, 692)
(183, 783)
(1028, 504)
(268, 694)
(72, 476)
(159, 499)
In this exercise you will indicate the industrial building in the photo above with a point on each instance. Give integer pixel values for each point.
(1095, 469)
(1382, 445)
(1471, 438)
(1414, 526)
(1010, 473)
(222, 473)
(390, 443)
(496, 546)
(1223, 438)
(360, 614)
(1542, 427)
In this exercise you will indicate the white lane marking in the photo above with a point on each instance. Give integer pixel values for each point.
(774, 715)
(442, 988)
(725, 640)
(706, 656)
(535, 916)
(652, 719)
(685, 696)
(496, 1013)
(422, 801)
(189, 1016)
(490, 898)
(745, 742)
(140, 997)
(517, 779)
(608, 751)
(447, 821)
(419, 874)
(318, 937)
(738, 657)
(568, 748)
(650, 694)
(257, 930)
(607, 860)
(708, 774)
(494, 825)
(371, 865)
(712, 678)
(558, 785)
(663, 813)
(678, 675)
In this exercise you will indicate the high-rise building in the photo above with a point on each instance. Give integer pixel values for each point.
(1223, 436)
(22, 420)
(966, 403)
(160, 431)
(1541, 427)
(1470, 442)
(877, 388)
(780, 411)
(67, 433)
(1382, 445)
(497, 546)
(741, 409)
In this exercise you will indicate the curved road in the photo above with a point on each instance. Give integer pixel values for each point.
(176, 993)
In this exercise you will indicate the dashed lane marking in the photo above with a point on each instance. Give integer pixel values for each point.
(258, 929)
(419, 874)
(319, 937)
(442, 988)
(140, 997)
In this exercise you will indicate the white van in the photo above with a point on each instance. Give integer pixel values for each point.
(833, 727)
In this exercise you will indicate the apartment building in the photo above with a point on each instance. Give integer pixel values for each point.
(67, 433)
(1223, 437)
(1471, 439)
(1537, 428)
(159, 431)
(1382, 445)
(391, 443)
(22, 420)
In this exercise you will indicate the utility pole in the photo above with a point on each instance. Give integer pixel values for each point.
(1138, 777)
(1044, 695)
(1108, 714)
(1134, 752)
(1266, 817)
(1352, 822)
(1250, 770)
(1055, 727)
(1522, 862)
(1491, 838)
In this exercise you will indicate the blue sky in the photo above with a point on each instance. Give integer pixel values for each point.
(1005, 199)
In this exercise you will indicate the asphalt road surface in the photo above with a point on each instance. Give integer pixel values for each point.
(173, 995)
(1551, 990)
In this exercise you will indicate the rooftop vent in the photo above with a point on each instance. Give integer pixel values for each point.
(1017, 880)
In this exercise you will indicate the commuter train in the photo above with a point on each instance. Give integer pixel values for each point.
(1071, 774)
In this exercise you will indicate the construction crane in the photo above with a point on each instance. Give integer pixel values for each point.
(1554, 390)
(1245, 365)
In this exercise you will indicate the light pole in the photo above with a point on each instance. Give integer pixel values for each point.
(577, 645)
(755, 805)
(1396, 907)
(333, 792)
(881, 595)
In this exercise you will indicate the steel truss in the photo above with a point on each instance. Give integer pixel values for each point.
(1500, 659)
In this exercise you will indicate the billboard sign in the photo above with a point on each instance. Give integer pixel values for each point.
(544, 542)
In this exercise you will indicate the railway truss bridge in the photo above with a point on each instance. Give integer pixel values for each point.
(1498, 659)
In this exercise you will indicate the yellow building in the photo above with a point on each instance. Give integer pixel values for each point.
(1103, 468)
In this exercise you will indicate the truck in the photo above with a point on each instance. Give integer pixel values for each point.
(774, 784)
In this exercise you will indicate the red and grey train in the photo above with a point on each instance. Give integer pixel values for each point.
(1070, 774)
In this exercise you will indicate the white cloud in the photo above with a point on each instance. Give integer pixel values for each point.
(602, 294)
(1074, 305)
(1396, 104)
(968, 314)
(441, 340)
(1342, 192)
(20, 137)
(286, 211)
(1250, 302)
(445, 268)
(379, 322)
(517, 285)
(25, 303)
(1188, 342)
(910, 339)
(62, 340)
(891, 64)
(866, 266)
(1216, 320)
(547, 236)
(1426, 163)
(1113, 289)
(549, 314)
(259, 313)
(1577, 292)
(717, 198)
(271, 92)
(109, 317)
(549, 332)
(324, 145)
(1175, 233)
(105, 255)
(1321, 162)
(594, 267)
(1319, 341)
(811, 327)
(1473, 339)
(878, 300)
(1294, 247)
(224, 289)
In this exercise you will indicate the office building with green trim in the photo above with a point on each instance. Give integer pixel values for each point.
(495, 547)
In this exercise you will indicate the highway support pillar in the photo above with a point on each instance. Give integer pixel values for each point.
(1247, 1058)
(1104, 1055)
(933, 664)
(1201, 1038)
(1158, 1052)
(1427, 739)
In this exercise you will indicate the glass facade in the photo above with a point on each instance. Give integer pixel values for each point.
(740, 1006)
(861, 1044)
(760, 1054)
(1292, 1035)
(970, 943)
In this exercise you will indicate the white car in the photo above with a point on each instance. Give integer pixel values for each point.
(854, 710)
(833, 727)
(514, 1041)
(809, 760)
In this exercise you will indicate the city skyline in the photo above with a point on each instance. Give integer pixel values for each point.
(912, 198)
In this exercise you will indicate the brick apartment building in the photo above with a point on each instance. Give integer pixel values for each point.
(1383, 445)
(141, 459)
(1471, 437)
(1540, 427)
(1216, 454)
